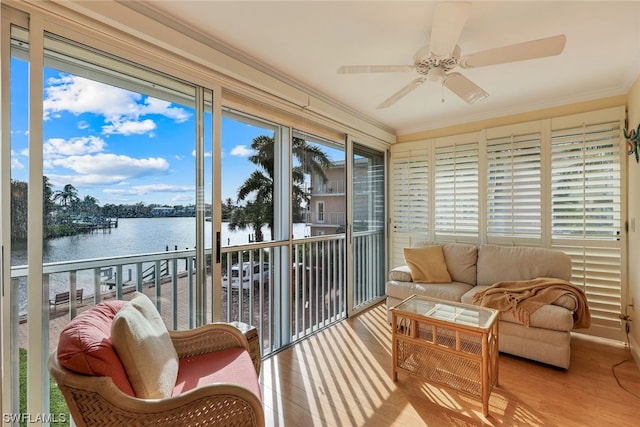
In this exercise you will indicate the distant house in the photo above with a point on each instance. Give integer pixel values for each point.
(327, 204)
(326, 210)
(163, 211)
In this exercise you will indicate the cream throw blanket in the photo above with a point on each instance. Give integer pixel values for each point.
(526, 296)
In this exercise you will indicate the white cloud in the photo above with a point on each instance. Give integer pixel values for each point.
(158, 106)
(206, 153)
(103, 169)
(129, 127)
(163, 188)
(119, 107)
(153, 188)
(55, 147)
(181, 198)
(78, 95)
(83, 180)
(113, 164)
(241, 150)
(16, 164)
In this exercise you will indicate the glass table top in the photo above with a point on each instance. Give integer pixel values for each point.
(481, 317)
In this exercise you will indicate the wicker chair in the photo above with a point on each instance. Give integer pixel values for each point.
(97, 401)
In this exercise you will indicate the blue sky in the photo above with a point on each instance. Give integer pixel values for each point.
(119, 146)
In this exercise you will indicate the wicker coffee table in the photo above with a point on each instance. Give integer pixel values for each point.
(448, 343)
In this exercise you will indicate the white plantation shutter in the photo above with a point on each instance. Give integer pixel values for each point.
(410, 200)
(586, 209)
(552, 183)
(456, 189)
(514, 185)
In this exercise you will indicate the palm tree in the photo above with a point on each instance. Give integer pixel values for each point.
(48, 205)
(89, 206)
(227, 209)
(311, 159)
(67, 196)
(255, 215)
(19, 209)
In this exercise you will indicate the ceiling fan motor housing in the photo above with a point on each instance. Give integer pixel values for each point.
(441, 55)
(433, 66)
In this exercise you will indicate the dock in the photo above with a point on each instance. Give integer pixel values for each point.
(104, 225)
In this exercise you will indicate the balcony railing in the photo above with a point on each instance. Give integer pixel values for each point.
(329, 187)
(286, 295)
(369, 269)
(290, 290)
(326, 219)
(301, 284)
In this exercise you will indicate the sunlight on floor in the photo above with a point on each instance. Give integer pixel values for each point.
(341, 376)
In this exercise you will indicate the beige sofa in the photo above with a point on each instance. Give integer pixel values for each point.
(474, 268)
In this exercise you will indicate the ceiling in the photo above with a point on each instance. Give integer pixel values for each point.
(307, 41)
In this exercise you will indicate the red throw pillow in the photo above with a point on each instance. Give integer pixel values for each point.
(85, 345)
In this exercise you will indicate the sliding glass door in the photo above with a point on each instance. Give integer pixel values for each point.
(368, 207)
(108, 197)
(124, 173)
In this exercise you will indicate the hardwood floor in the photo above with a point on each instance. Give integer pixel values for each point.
(342, 377)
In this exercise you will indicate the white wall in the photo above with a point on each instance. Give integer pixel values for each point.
(633, 186)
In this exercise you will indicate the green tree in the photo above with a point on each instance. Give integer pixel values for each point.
(311, 159)
(227, 209)
(67, 196)
(254, 215)
(89, 206)
(20, 208)
(48, 206)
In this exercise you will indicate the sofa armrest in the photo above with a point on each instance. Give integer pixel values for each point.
(401, 273)
(209, 338)
(568, 301)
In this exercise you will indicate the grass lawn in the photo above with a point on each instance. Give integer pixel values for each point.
(56, 402)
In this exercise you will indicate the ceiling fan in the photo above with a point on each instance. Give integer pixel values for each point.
(435, 61)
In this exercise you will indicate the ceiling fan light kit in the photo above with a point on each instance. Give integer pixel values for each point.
(435, 61)
(435, 74)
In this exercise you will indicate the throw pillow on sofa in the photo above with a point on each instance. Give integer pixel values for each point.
(427, 264)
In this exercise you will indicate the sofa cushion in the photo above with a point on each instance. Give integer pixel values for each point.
(452, 291)
(461, 259)
(142, 342)
(550, 316)
(232, 365)
(85, 345)
(427, 264)
(510, 263)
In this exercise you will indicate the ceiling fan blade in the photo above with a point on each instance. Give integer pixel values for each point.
(401, 93)
(352, 69)
(448, 22)
(464, 88)
(541, 48)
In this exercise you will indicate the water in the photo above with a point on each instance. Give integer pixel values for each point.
(138, 236)
(133, 236)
